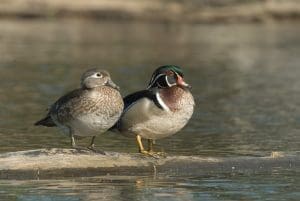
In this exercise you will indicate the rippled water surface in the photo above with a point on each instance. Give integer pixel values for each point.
(164, 188)
(245, 82)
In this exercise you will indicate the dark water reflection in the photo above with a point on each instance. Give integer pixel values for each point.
(165, 188)
(245, 81)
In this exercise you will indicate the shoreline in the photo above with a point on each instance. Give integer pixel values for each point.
(168, 11)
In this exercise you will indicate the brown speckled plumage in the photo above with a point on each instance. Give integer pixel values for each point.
(89, 110)
(96, 101)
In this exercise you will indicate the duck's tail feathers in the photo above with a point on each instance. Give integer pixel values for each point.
(47, 121)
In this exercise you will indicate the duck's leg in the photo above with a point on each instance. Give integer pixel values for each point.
(150, 145)
(150, 148)
(140, 143)
(92, 147)
(142, 149)
(73, 143)
(80, 148)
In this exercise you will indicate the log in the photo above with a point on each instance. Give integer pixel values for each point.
(58, 163)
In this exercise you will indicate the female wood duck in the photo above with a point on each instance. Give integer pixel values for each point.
(160, 111)
(89, 110)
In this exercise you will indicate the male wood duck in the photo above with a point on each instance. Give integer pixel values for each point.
(160, 111)
(89, 110)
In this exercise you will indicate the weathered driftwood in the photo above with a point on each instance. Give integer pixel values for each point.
(55, 163)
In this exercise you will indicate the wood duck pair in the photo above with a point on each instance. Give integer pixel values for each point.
(159, 111)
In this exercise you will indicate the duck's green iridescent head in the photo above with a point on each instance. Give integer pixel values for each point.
(167, 76)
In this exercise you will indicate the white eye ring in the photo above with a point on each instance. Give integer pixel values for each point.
(97, 75)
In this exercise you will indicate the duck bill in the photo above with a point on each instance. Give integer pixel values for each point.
(110, 83)
(182, 83)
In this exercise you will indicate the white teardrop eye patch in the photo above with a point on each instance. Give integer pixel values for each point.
(97, 75)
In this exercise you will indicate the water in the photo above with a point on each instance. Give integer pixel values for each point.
(165, 188)
(245, 80)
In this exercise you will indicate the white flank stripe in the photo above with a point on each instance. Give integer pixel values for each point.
(161, 102)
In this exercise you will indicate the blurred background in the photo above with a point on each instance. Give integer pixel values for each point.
(240, 56)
